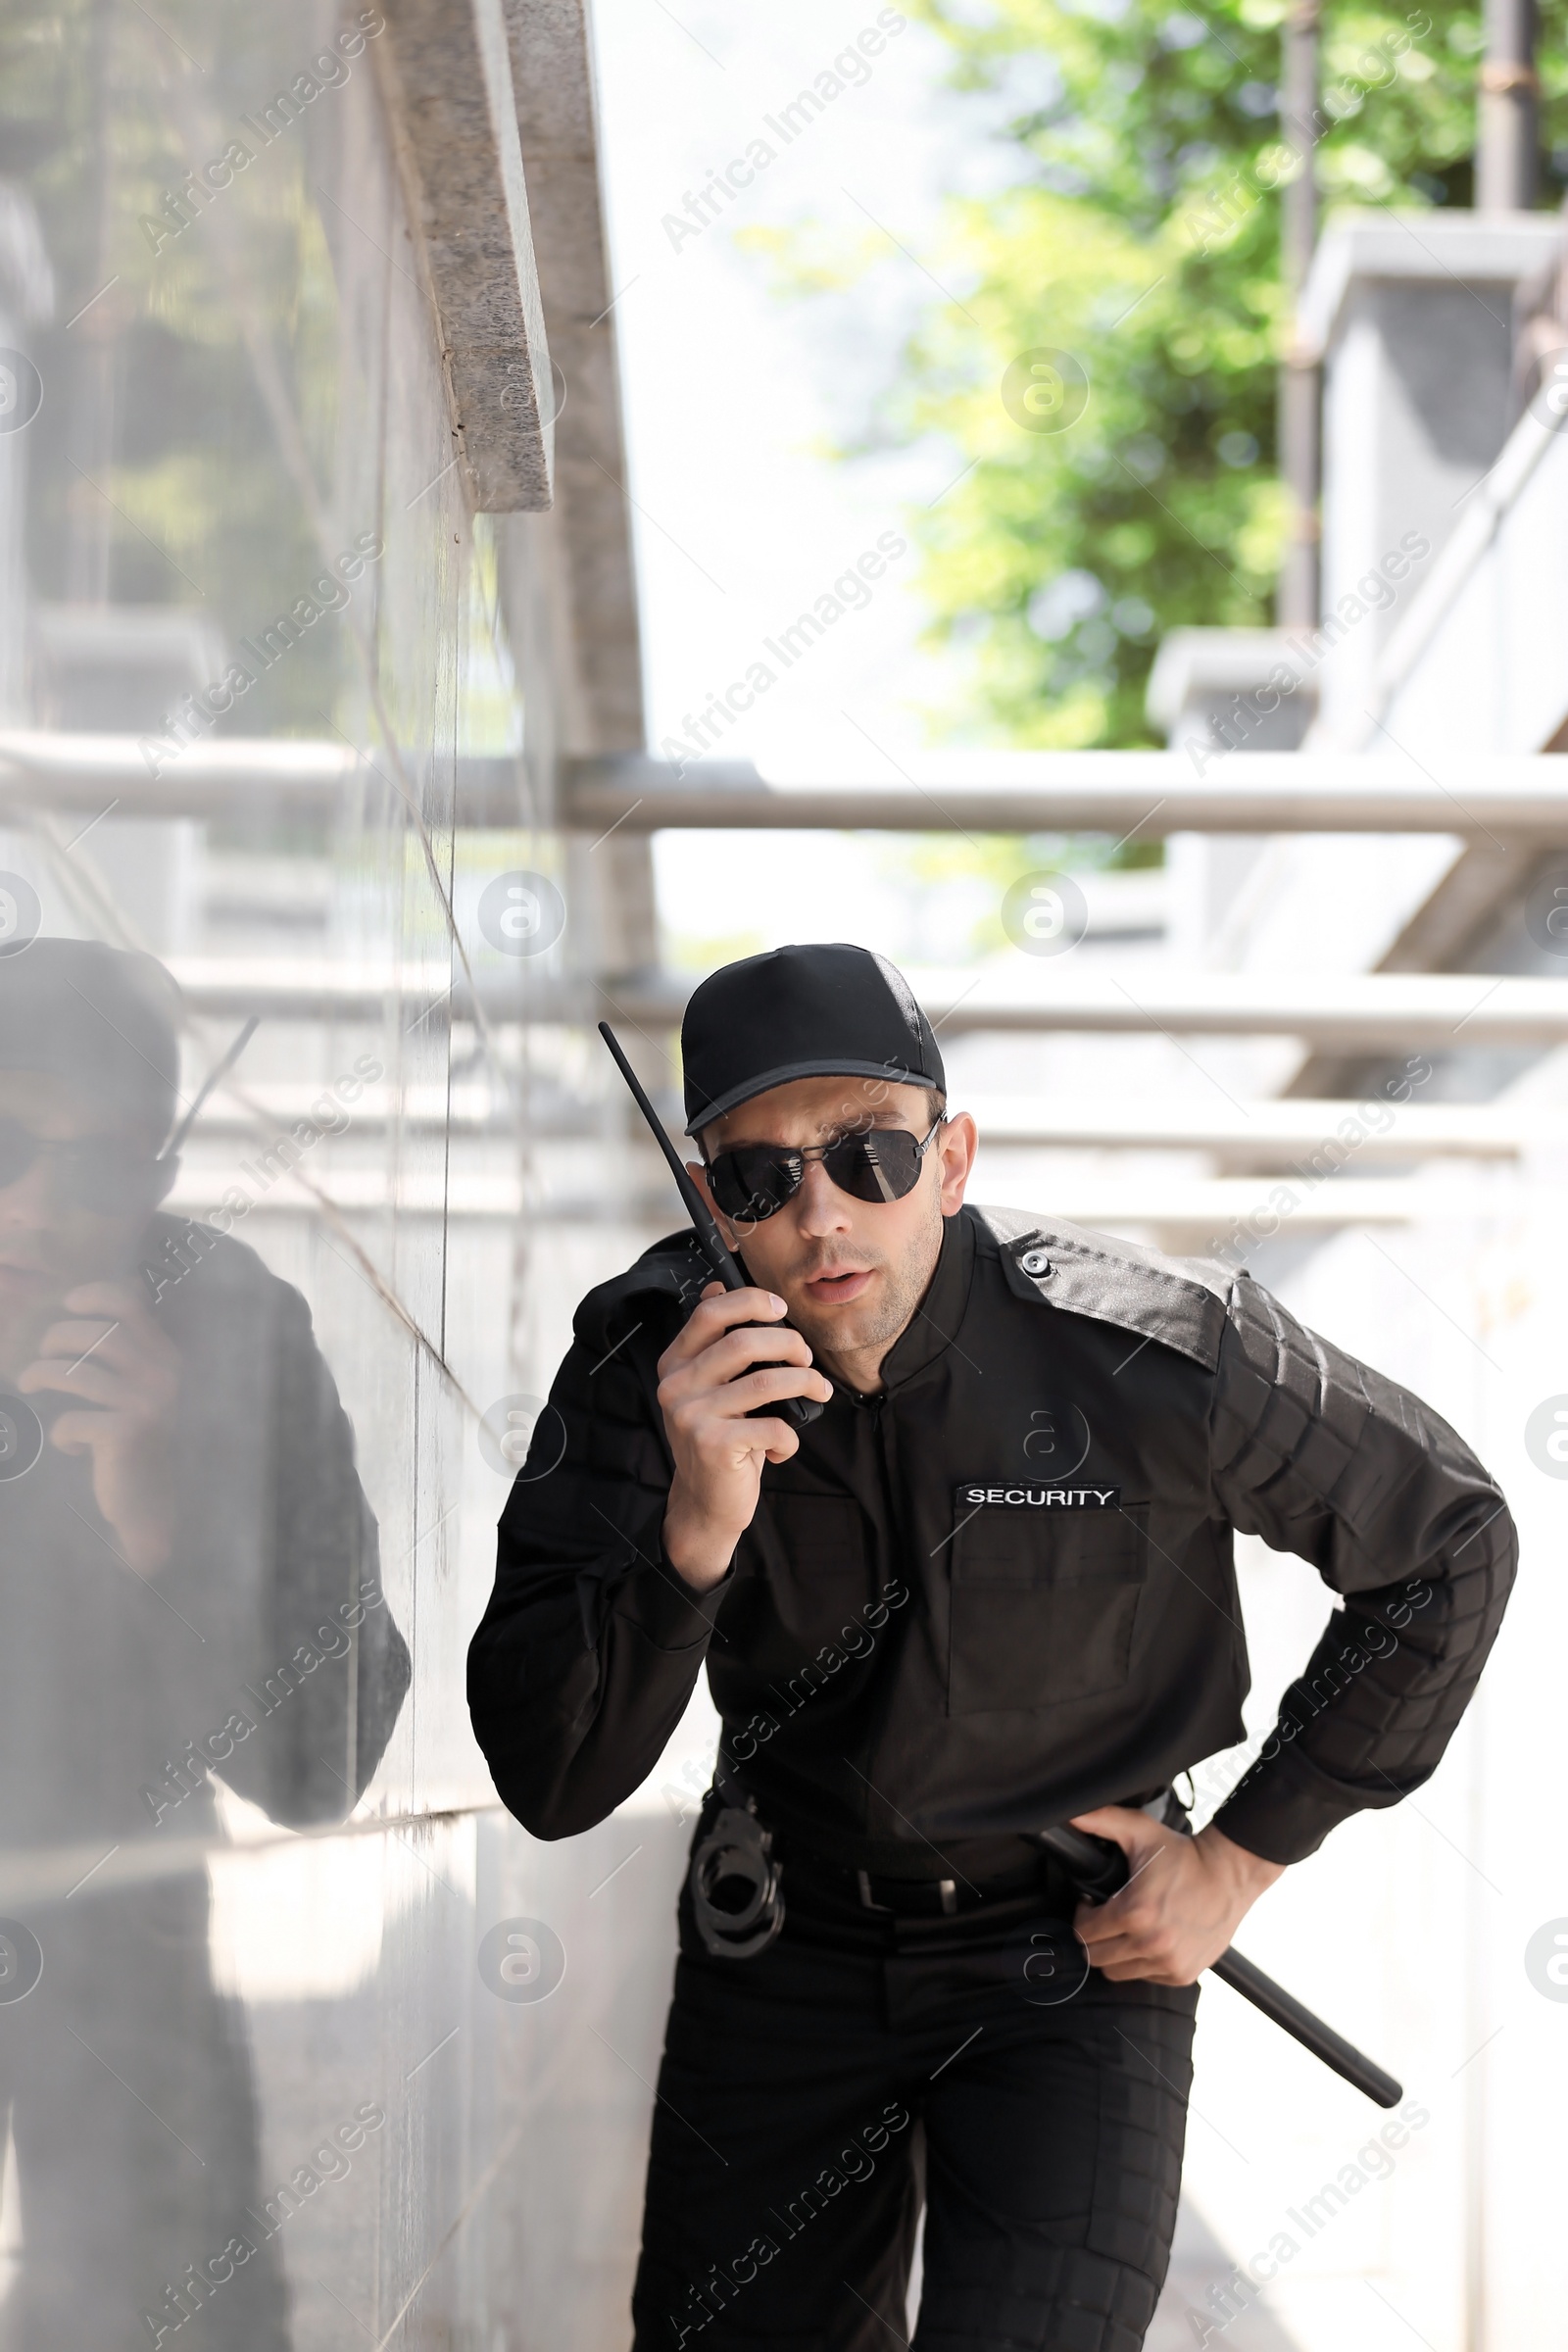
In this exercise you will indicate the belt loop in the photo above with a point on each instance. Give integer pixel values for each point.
(867, 1903)
(950, 1898)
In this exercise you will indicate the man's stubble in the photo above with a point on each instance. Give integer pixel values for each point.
(905, 1279)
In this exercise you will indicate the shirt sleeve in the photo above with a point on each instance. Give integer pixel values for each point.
(585, 1659)
(332, 1669)
(1323, 1457)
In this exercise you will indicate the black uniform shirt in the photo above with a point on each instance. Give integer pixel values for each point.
(1000, 1591)
(118, 1692)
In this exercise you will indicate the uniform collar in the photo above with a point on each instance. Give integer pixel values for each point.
(935, 1321)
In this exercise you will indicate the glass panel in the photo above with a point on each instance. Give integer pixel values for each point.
(261, 1268)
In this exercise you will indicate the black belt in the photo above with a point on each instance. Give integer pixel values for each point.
(968, 1883)
(738, 1897)
(942, 1898)
(970, 1879)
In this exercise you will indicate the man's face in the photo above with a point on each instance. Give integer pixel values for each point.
(76, 1212)
(851, 1272)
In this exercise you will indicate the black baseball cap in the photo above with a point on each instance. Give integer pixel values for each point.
(815, 1012)
(107, 1019)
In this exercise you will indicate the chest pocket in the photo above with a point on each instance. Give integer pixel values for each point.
(1044, 1606)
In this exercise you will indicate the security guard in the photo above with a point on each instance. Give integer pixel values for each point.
(986, 1589)
(192, 1593)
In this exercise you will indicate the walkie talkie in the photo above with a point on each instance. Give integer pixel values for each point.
(797, 1411)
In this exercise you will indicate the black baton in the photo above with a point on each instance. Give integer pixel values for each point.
(1098, 1869)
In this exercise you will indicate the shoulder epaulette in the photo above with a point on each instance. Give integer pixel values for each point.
(1181, 1302)
(671, 1268)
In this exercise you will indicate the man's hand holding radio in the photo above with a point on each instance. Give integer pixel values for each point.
(710, 1376)
(121, 1372)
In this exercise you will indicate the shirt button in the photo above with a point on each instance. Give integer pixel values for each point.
(1035, 1262)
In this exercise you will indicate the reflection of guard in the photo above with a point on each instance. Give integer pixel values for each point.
(989, 1591)
(21, 1436)
(192, 1590)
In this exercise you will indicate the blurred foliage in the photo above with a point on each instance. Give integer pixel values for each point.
(1140, 235)
(156, 428)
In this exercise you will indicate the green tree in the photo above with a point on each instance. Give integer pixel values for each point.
(1140, 239)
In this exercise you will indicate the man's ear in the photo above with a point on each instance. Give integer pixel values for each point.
(957, 1141)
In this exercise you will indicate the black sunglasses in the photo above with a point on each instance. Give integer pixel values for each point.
(877, 1163)
(104, 1174)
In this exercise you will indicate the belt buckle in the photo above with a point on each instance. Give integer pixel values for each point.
(947, 1896)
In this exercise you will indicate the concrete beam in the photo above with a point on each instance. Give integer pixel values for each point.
(419, 1192)
(1412, 316)
(230, 776)
(466, 1111)
(567, 580)
(1150, 794)
(1266, 1132)
(596, 639)
(1457, 926)
(1371, 1012)
(1370, 247)
(1197, 673)
(1207, 1211)
(446, 78)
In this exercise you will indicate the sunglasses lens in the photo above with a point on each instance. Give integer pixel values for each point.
(754, 1181)
(107, 1177)
(883, 1164)
(751, 1182)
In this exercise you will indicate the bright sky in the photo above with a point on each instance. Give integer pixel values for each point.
(733, 393)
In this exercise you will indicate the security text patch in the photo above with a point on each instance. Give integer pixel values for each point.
(1039, 1498)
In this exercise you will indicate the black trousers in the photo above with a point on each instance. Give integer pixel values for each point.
(812, 2097)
